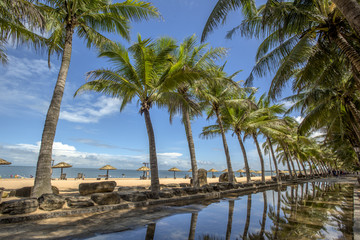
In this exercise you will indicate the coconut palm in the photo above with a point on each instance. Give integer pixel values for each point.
(84, 18)
(220, 11)
(144, 72)
(300, 35)
(215, 94)
(182, 100)
(18, 21)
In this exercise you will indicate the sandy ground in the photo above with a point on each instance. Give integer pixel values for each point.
(73, 185)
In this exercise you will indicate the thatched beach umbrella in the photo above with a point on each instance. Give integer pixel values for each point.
(258, 172)
(241, 171)
(144, 169)
(225, 170)
(212, 171)
(107, 168)
(62, 165)
(4, 162)
(190, 170)
(174, 169)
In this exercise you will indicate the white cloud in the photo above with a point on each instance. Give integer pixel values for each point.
(26, 154)
(287, 104)
(92, 112)
(299, 119)
(22, 85)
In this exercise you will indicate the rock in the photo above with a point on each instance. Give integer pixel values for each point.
(23, 192)
(55, 190)
(224, 177)
(96, 187)
(50, 202)
(246, 185)
(166, 194)
(190, 190)
(133, 196)
(4, 195)
(106, 198)
(79, 202)
(207, 188)
(358, 180)
(216, 188)
(1, 193)
(151, 195)
(202, 175)
(179, 192)
(124, 189)
(184, 185)
(173, 185)
(21, 206)
(26, 191)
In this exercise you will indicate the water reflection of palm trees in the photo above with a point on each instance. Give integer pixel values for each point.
(303, 211)
(150, 232)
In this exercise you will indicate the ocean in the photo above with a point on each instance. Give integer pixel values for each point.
(28, 171)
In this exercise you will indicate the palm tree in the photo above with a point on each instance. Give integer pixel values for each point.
(182, 100)
(216, 94)
(148, 76)
(221, 9)
(350, 9)
(84, 18)
(19, 19)
(300, 35)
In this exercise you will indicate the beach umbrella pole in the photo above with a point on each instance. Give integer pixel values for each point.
(107, 173)
(61, 172)
(174, 175)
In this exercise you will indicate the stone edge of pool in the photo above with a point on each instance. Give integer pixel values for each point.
(357, 212)
(154, 202)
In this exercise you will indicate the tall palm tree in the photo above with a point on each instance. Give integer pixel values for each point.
(216, 94)
(147, 77)
(85, 18)
(182, 100)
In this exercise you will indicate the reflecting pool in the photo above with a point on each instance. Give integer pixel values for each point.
(313, 210)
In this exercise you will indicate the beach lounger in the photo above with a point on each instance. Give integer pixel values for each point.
(102, 176)
(63, 176)
(80, 176)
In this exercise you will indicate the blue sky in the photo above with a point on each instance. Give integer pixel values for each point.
(91, 131)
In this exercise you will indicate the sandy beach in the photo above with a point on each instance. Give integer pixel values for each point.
(72, 185)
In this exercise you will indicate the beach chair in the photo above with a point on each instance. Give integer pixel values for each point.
(63, 176)
(80, 176)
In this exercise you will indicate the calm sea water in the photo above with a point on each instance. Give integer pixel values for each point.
(27, 171)
(306, 211)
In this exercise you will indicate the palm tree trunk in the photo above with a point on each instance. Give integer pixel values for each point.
(315, 169)
(190, 140)
(247, 169)
(303, 167)
(274, 159)
(150, 232)
(351, 10)
(248, 214)
(292, 163)
(311, 170)
(230, 219)
(261, 158)
(278, 212)
(155, 185)
(42, 182)
(297, 161)
(194, 217)
(287, 160)
(263, 222)
(226, 148)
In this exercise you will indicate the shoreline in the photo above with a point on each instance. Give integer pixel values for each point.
(72, 185)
